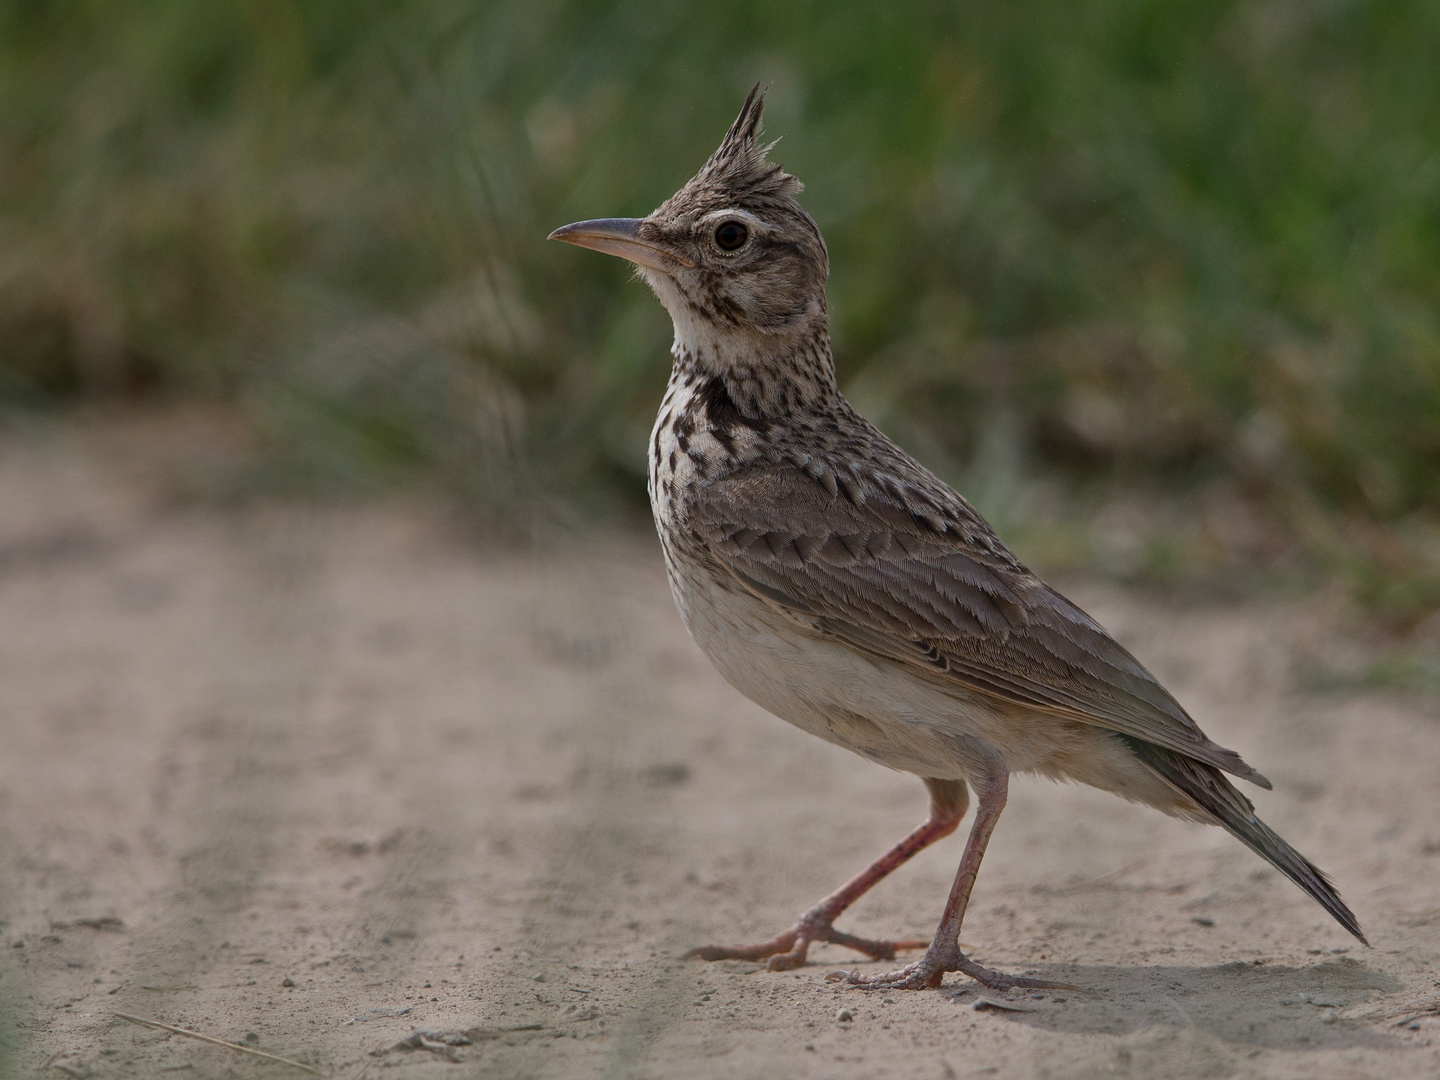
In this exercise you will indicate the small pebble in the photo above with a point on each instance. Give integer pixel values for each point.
(1201, 920)
(287, 981)
(844, 1016)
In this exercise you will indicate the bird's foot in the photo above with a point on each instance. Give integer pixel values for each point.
(786, 951)
(929, 971)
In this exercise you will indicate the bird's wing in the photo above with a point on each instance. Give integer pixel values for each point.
(912, 573)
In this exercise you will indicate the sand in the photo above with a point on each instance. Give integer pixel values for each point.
(312, 778)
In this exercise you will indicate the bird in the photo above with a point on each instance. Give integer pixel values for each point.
(842, 586)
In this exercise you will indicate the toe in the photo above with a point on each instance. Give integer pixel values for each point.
(998, 980)
(877, 950)
(707, 952)
(786, 961)
(913, 977)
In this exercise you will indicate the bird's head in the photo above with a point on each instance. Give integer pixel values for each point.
(737, 262)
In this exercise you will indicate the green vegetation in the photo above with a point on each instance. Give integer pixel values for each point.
(1188, 247)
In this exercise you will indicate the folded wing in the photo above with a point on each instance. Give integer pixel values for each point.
(912, 573)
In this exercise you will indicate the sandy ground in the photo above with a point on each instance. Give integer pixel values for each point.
(311, 779)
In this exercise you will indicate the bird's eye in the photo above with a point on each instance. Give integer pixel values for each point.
(731, 236)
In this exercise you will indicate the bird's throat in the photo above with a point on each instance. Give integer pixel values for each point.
(768, 380)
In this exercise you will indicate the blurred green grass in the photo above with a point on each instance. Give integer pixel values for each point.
(1087, 257)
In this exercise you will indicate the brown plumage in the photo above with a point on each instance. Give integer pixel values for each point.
(841, 585)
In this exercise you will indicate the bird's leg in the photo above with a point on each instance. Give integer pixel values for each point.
(948, 800)
(944, 952)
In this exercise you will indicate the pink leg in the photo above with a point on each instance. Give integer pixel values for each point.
(948, 799)
(944, 952)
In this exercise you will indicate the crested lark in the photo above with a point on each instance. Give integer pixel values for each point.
(839, 584)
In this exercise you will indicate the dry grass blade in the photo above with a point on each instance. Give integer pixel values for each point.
(1076, 888)
(217, 1042)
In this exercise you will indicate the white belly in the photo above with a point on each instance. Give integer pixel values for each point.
(887, 713)
(872, 706)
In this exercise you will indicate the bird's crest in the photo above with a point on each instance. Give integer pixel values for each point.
(740, 163)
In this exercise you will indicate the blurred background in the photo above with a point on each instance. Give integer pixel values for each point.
(334, 636)
(1156, 282)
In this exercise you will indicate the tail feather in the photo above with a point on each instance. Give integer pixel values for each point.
(1205, 786)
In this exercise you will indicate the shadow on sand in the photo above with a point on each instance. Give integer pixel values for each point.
(1270, 1006)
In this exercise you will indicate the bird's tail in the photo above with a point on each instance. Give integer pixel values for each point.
(1212, 792)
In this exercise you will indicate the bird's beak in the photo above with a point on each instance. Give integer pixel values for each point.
(620, 236)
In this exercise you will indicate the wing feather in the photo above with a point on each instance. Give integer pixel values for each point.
(919, 578)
